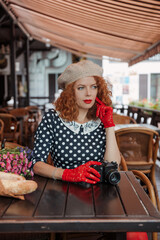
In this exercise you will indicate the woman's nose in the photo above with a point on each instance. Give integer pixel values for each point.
(88, 91)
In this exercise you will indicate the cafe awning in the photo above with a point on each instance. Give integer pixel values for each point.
(127, 30)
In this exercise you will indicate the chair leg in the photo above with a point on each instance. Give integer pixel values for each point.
(153, 180)
(52, 236)
(154, 236)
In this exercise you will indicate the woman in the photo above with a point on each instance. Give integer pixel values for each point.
(79, 133)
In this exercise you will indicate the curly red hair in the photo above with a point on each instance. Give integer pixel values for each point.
(66, 103)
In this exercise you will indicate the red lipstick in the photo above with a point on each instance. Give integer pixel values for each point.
(88, 101)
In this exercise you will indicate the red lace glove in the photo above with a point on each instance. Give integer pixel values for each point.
(105, 113)
(83, 173)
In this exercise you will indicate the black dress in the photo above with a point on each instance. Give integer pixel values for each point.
(70, 143)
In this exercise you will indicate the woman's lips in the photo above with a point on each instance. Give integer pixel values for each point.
(88, 101)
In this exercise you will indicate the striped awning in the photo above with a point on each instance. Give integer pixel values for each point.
(128, 30)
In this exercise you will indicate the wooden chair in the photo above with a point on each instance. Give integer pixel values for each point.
(19, 112)
(1, 129)
(34, 119)
(12, 131)
(35, 111)
(122, 119)
(139, 147)
(22, 115)
(3, 110)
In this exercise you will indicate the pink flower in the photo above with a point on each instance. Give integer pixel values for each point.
(15, 171)
(11, 156)
(15, 167)
(8, 160)
(29, 164)
(32, 173)
(19, 166)
(8, 167)
(14, 162)
(2, 164)
(4, 156)
(21, 155)
(24, 169)
(26, 160)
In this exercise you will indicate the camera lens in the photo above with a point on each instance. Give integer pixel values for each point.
(113, 177)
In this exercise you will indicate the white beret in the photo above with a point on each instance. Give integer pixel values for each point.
(75, 71)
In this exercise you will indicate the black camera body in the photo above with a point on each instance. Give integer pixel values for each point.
(109, 172)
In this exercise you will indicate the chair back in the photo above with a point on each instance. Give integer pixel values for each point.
(3, 110)
(10, 131)
(10, 122)
(1, 129)
(122, 119)
(19, 112)
(139, 147)
(36, 112)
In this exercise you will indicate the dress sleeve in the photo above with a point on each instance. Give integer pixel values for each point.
(44, 138)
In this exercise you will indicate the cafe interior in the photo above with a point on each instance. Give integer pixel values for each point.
(57, 33)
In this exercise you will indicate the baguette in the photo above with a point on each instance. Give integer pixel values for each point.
(19, 187)
(11, 176)
(14, 188)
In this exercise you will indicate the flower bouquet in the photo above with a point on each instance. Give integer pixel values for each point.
(17, 161)
(15, 167)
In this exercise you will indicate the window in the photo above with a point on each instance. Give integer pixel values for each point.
(155, 86)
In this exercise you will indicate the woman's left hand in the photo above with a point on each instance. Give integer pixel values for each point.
(105, 113)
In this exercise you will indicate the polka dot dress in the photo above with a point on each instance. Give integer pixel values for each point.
(70, 144)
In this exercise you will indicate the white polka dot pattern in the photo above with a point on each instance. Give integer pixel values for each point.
(68, 149)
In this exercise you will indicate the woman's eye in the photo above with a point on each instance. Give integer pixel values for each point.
(80, 88)
(95, 86)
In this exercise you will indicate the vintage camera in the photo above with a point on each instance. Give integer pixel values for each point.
(109, 172)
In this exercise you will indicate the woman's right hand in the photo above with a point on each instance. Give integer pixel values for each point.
(105, 113)
(83, 173)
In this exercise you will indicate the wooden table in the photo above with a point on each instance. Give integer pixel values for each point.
(58, 206)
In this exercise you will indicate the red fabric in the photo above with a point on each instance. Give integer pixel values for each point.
(137, 236)
(83, 173)
(105, 113)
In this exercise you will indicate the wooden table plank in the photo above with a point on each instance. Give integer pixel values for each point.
(4, 203)
(107, 201)
(20, 208)
(52, 202)
(132, 205)
(79, 202)
(142, 195)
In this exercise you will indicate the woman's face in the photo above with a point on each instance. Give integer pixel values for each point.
(85, 92)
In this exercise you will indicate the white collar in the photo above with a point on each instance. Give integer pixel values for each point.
(87, 127)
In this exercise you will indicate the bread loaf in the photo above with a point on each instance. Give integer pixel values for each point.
(19, 187)
(13, 185)
(11, 176)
